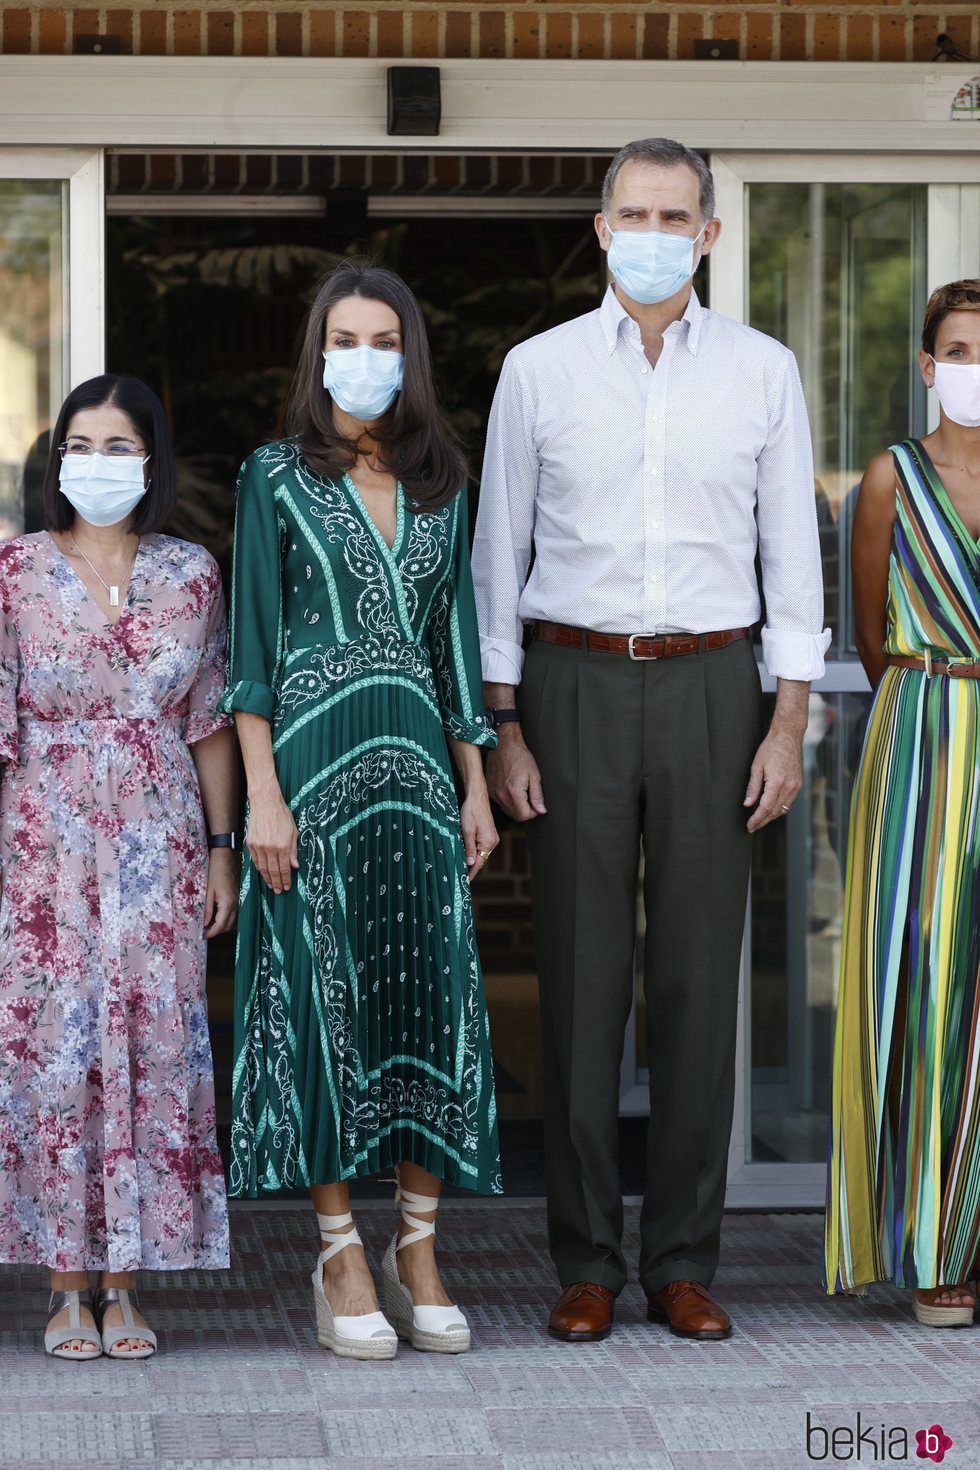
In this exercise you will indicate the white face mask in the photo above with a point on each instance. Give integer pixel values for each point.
(651, 265)
(103, 488)
(957, 387)
(363, 381)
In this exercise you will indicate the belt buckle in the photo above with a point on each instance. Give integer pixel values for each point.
(639, 658)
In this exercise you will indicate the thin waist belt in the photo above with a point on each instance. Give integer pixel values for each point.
(952, 668)
(638, 645)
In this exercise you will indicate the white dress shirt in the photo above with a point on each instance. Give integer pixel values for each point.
(629, 499)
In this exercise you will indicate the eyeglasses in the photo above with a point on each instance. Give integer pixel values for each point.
(119, 449)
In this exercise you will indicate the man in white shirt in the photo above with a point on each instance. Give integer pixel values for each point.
(638, 459)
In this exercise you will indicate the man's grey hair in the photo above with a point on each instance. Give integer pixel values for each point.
(666, 153)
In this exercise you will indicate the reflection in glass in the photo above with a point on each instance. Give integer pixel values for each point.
(33, 286)
(837, 272)
(797, 913)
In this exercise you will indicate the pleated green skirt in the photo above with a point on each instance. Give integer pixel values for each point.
(361, 1032)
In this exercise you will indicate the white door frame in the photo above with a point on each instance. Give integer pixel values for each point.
(953, 251)
(83, 170)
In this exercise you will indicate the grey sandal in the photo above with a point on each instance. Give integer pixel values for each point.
(106, 1296)
(56, 1339)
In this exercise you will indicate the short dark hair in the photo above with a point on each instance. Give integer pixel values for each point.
(666, 153)
(957, 296)
(140, 404)
(417, 444)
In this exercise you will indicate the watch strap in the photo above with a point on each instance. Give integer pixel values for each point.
(503, 717)
(224, 839)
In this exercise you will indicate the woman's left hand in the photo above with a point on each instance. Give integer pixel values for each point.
(479, 831)
(221, 903)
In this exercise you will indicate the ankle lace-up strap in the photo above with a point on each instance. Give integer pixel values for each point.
(419, 1229)
(331, 1230)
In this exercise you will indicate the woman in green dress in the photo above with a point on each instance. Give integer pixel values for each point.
(361, 1034)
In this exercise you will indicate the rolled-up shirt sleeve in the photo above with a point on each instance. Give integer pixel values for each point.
(454, 646)
(204, 695)
(256, 642)
(794, 640)
(504, 536)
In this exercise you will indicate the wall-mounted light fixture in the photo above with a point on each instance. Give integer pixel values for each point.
(414, 101)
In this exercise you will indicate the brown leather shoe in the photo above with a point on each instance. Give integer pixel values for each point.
(687, 1307)
(583, 1313)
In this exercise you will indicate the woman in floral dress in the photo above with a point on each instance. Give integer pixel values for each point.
(361, 1033)
(113, 641)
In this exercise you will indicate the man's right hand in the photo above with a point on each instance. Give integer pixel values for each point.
(513, 778)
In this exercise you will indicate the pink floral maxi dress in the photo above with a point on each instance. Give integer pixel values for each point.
(108, 1155)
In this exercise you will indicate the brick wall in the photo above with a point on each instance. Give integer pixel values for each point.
(778, 30)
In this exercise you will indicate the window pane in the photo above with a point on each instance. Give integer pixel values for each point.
(797, 913)
(837, 272)
(32, 339)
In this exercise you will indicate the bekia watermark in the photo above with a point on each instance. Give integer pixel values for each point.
(871, 1444)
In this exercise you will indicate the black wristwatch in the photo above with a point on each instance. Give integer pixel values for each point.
(224, 839)
(498, 717)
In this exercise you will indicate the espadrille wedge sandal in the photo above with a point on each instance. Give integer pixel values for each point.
(370, 1336)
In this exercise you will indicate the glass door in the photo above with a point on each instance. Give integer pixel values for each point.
(834, 257)
(51, 333)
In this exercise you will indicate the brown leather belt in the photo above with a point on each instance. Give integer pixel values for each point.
(638, 645)
(931, 666)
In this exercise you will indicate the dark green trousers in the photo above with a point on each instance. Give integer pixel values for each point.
(654, 753)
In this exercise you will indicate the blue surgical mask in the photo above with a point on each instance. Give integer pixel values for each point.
(103, 488)
(363, 381)
(649, 265)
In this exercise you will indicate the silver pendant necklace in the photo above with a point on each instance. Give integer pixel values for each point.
(111, 588)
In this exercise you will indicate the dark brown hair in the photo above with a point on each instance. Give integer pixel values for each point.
(957, 296)
(140, 404)
(416, 442)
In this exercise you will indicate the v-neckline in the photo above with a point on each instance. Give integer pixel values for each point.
(88, 594)
(390, 552)
(945, 500)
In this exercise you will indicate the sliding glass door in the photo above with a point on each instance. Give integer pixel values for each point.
(835, 257)
(51, 333)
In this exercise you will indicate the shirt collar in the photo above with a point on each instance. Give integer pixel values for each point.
(613, 318)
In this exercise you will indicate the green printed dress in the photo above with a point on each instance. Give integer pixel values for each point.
(361, 1032)
(903, 1197)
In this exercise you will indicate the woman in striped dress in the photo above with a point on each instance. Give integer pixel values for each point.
(904, 1171)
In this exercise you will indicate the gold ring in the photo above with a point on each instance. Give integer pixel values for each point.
(785, 808)
(484, 855)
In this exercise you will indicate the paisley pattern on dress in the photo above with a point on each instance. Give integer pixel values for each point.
(361, 1032)
(108, 1154)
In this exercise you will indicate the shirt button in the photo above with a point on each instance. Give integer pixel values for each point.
(643, 370)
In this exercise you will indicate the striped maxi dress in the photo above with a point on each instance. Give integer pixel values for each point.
(904, 1170)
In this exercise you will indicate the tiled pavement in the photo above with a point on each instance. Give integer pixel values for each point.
(240, 1384)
